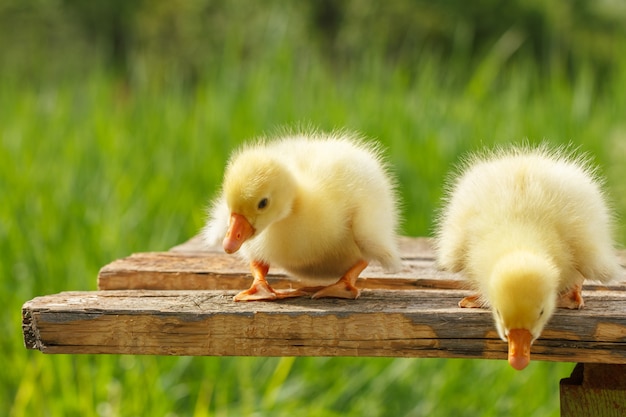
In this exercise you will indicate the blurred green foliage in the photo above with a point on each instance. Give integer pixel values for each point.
(161, 40)
(116, 119)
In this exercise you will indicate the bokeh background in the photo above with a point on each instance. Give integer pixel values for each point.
(116, 119)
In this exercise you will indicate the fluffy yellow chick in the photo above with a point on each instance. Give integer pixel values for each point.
(318, 206)
(526, 226)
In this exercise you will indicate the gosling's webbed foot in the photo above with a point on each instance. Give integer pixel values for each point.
(345, 287)
(261, 291)
(572, 298)
(340, 289)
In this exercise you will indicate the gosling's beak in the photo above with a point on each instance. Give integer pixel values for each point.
(519, 348)
(239, 230)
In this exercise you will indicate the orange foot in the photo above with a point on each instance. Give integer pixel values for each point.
(260, 289)
(572, 299)
(471, 301)
(345, 287)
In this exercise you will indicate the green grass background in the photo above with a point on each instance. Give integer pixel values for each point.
(95, 166)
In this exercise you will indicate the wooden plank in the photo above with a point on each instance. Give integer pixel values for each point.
(193, 266)
(410, 314)
(597, 390)
(393, 323)
(200, 271)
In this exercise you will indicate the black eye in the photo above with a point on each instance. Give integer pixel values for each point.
(262, 204)
(541, 313)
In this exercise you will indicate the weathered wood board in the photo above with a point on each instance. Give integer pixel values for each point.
(192, 266)
(597, 390)
(400, 323)
(180, 303)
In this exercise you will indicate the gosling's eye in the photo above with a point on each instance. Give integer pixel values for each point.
(541, 313)
(263, 203)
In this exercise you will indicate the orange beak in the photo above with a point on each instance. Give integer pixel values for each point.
(239, 230)
(519, 348)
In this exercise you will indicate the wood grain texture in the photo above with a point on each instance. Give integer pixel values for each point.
(597, 390)
(210, 271)
(180, 303)
(193, 266)
(399, 323)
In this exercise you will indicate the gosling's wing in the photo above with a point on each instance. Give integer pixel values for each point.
(217, 224)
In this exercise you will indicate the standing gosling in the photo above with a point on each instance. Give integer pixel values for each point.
(527, 226)
(318, 206)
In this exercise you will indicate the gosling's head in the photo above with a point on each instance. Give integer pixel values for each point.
(259, 191)
(522, 292)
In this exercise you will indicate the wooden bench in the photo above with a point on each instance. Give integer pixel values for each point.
(180, 303)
